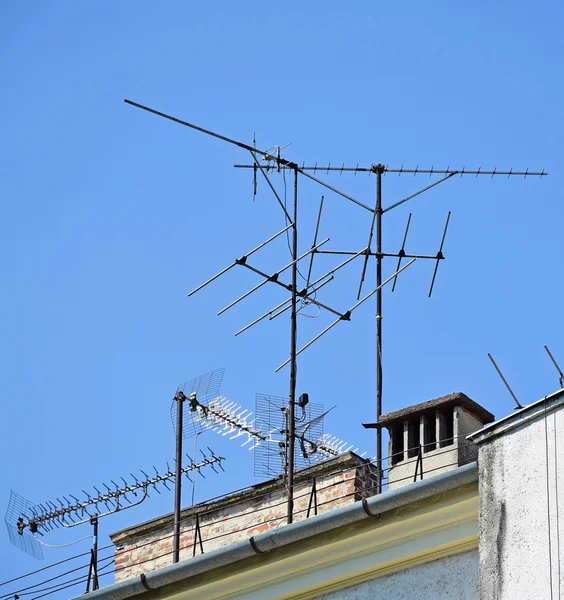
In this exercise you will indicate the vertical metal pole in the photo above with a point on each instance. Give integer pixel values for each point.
(379, 171)
(94, 521)
(293, 343)
(180, 397)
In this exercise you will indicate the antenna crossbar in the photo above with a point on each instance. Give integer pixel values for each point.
(416, 171)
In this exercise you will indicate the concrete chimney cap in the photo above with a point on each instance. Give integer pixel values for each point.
(451, 400)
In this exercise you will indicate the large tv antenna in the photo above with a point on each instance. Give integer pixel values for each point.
(271, 160)
(26, 521)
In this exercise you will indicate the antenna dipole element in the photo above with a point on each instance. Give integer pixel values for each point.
(560, 374)
(518, 404)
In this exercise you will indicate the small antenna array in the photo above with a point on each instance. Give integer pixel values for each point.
(24, 518)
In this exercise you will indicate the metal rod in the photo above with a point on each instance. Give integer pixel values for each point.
(287, 301)
(328, 274)
(329, 187)
(180, 397)
(273, 278)
(419, 192)
(345, 315)
(307, 297)
(312, 255)
(401, 252)
(368, 249)
(439, 255)
(504, 381)
(270, 185)
(240, 260)
(378, 213)
(266, 314)
(211, 133)
(382, 254)
(340, 266)
(561, 375)
(327, 308)
(416, 171)
(293, 345)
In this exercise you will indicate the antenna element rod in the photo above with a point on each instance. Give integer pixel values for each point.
(243, 259)
(504, 381)
(561, 375)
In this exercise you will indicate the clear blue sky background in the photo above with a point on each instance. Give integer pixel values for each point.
(111, 215)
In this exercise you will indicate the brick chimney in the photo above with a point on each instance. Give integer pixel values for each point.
(338, 482)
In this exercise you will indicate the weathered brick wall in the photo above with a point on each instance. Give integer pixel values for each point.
(339, 482)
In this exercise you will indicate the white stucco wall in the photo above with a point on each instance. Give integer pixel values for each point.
(521, 465)
(450, 578)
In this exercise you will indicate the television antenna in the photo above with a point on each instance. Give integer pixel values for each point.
(271, 160)
(265, 432)
(26, 521)
(313, 445)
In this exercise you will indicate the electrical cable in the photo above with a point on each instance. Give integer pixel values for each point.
(30, 587)
(86, 537)
(49, 567)
(71, 583)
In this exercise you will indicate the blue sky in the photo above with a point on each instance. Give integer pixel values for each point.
(111, 215)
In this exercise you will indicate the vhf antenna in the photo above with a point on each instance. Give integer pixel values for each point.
(517, 403)
(560, 374)
(274, 161)
(26, 521)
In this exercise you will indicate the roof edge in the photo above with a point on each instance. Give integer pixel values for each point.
(518, 418)
(270, 540)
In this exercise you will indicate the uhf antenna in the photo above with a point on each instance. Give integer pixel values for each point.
(26, 521)
(560, 374)
(271, 160)
(312, 444)
(518, 404)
